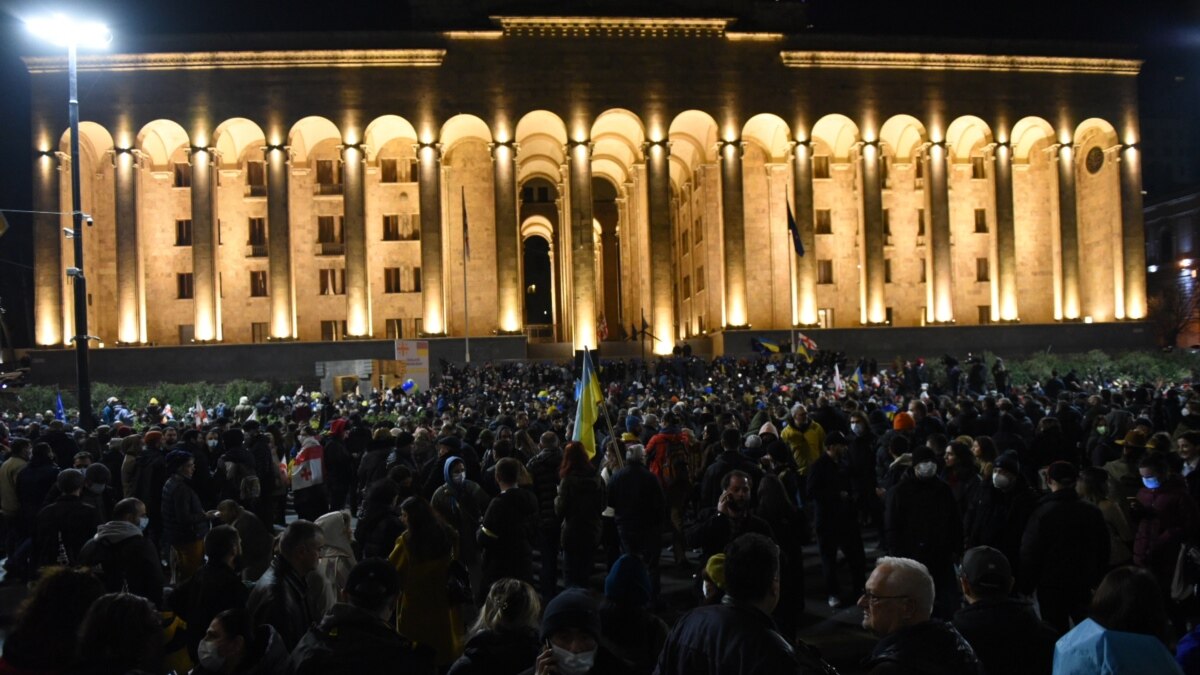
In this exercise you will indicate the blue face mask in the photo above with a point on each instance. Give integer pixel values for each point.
(1150, 482)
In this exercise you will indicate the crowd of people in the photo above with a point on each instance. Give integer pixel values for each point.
(467, 528)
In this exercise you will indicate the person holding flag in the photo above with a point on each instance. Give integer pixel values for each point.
(588, 398)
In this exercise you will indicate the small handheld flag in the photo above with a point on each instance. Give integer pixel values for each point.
(60, 412)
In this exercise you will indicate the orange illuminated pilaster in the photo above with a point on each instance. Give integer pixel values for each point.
(358, 285)
(47, 252)
(1006, 240)
(806, 265)
(733, 234)
(279, 252)
(871, 194)
(1133, 231)
(508, 281)
(1068, 227)
(129, 278)
(662, 298)
(937, 205)
(204, 244)
(429, 179)
(583, 249)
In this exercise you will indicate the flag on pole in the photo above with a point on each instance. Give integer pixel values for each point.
(800, 349)
(807, 342)
(466, 236)
(587, 397)
(253, 416)
(858, 378)
(602, 329)
(838, 387)
(60, 412)
(795, 232)
(199, 414)
(764, 346)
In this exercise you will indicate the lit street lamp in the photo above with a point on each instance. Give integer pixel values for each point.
(65, 32)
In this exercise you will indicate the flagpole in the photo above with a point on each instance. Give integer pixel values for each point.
(612, 434)
(466, 257)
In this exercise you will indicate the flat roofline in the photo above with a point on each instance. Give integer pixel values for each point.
(968, 62)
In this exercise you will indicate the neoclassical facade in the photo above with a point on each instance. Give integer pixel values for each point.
(314, 187)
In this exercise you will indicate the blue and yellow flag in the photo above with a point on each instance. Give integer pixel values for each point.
(803, 351)
(587, 397)
(858, 378)
(764, 346)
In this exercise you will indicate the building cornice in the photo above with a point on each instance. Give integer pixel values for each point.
(580, 26)
(972, 62)
(230, 60)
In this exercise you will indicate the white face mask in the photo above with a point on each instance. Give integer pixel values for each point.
(570, 663)
(1001, 481)
(925, 469)
(210, 658)
(144, 522)
(858, 429)
(212, 442)
(96, 488)
(458, 478)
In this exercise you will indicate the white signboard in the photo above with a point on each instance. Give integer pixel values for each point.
(413, 356)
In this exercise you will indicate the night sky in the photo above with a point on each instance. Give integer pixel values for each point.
(1165, 34)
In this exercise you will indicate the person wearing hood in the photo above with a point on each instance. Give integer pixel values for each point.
(243, 410)
(898, 606)
(337, 555)
(121, 555)
(375, 461)
(626, 624)
(1164, 517)
(504, 639)
(354, 636)
(235, 645)
(572, 637)
(461, 503)
(64, 526)
(922, 522)
(185, 522)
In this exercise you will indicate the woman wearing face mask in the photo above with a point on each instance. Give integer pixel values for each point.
(461, 503)
(571, 635)
(1164, 516)
(233, 646)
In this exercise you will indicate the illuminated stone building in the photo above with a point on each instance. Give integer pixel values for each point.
(312, 187)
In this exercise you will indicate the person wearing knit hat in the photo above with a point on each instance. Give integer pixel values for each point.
(712, 578)
(571, 632)
(627, 626)
(904, 422)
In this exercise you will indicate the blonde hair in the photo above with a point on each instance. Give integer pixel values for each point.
(511, 605)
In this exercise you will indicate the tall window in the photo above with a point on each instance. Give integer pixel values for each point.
(887, 227)
(824, 271)
(329, 177)
(183, 174)
(389, 171)
(257, 239)
(391, 280)
(981, 221)
(258, 332)
(700, 278)
(329, 230)
(256, 179)
(919, 174)
(687, 286)
(920, 221)
(183, 286)
(924, 272)
(183, 232)
(985, 314)
(978, 170)
(333, 281)
(332, 331)
(699, 231)
(391, 227)
(820, 166)
(258, 283)
(416, 280)
(394, 329)
(887, 270)
(885, 171)
(981, 270)
(824, 221)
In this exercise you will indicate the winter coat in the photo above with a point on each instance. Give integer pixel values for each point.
(258, 543)
(351, 641)
(33, 484)
(184, 519)
(579, 503)
(930, 648)
(714, 530)
(997, 518)
(807, 444)
(1065, 545)
(1092, 649)
(504, 536)
(425, 612)
(497, 652)
(337, 555)
(726, 639)
(124, 560)
(377, 530)
(830, 491)
(1166, 519)
(922, 522)
(461, 507)
(279, 598)
(8, 485)
(995, 628)
(213, 589)
(68, 524)
(729, 460)
(544, 469)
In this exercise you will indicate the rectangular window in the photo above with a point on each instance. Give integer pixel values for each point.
(183, 286)
(825, 317)
(981, 221)
(820, 166)
(924, 272)
(920, 221)
(183, 175)
(978, 170)
(920, 171)
(414, 170)
(256, 179)
(885, 170)
(700, 278)
(391, 227)
(543, 195)
(699, 231)
(687, 286)
(824, 271)
(187, 333)
(887, 315)
(183, 233)
(258, 283)
(687, 242)
(332, 331)
(329, 235)
(258, 332)
(333, 281)
(985, 314)
(329, 177)
(887, 227)
(416, 282)
(887, 270)
(394, 329)
(824, 221)
(527, 195)
(391, 280)
(257, 239)
(389, 171)
(981, 270)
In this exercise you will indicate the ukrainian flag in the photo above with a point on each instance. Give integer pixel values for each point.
(858, 378)
(765, 346)
(587, 397)
(803, 351)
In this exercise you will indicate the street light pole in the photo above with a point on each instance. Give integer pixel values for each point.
(82, 377)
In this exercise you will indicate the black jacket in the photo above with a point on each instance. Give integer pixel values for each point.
(184, 519)
(714, 530)
(497, 653)
(930, 648)
(504, 536)
(637, 498)
(579, 503)
(279, 598)
(67, 522)
(213, 589)
(922, 522)
(1065, 544)
(1007, 636)
(124, 560)
(352, 641)
(729, 460)
(727, 639)
(997, 518)
(830, 490)
(544, 468)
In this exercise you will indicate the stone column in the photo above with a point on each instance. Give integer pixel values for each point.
(1006, 238)
(47, 252)
(1068, 227)
(806, 265)
(129, 277)
(205, 289)
(1133, 232)
(354, 205)
(872, 207)
(583, 249)
(508, 283)
(429, 187)
(279, 246)
(662, 263)
(937, 205)
(733, 233)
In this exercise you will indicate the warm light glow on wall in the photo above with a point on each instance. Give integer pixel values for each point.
(735, 300)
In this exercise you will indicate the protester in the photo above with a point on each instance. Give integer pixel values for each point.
(121, 555)
(45, 636)
(121, 633)
(571, 635)
(422, 558)
(280, 596)
(578, 504)
(234, 645)
(257, 540)
(214, 588)
(504, 639)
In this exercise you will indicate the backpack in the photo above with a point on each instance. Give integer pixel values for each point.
(672, 465)
(243, 479)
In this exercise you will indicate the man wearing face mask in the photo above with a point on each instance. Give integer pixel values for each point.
(922, 522)
(122, 556)
(571, 635)
(999, 512)
(1164, 516)
(215, 587)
